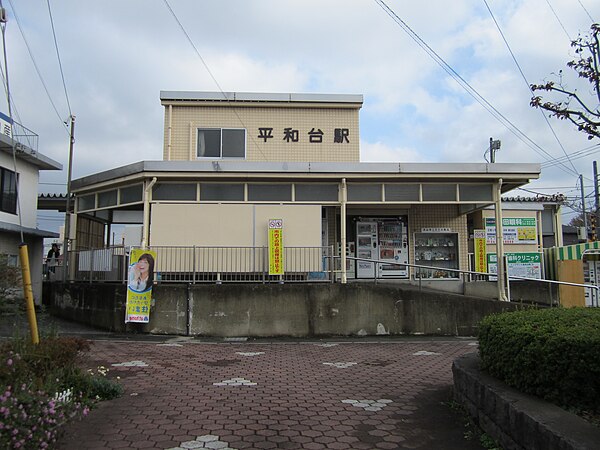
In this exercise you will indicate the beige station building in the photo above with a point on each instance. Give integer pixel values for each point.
(234, 161)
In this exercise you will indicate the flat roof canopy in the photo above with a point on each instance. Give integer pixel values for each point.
(513, 175)
(237, 97)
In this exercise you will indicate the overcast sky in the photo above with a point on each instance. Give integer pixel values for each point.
(118, 55)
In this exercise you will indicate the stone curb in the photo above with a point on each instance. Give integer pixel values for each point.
(518, 421)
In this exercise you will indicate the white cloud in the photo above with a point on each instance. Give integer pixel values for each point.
(380, 152)
(117, 57)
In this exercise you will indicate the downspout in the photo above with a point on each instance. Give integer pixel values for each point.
(169, 131)
(500, 245)
(146, 222)
(343, 231)
(558, 237)
(539, 231)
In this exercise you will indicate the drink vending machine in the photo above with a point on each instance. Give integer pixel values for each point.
(382, 240)
(591, 275)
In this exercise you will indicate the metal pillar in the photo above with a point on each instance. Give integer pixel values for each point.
(500, 244)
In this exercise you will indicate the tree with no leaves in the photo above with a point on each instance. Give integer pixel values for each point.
(584, 113)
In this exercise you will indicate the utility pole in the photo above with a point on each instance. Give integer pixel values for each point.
(596, 198)
(585, 225)
(66, 255)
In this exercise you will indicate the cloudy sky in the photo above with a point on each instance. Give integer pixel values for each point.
(118, 55)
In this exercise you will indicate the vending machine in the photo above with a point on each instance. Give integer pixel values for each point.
(366, 247)
(591, 275)
(393, 247)
(384, 240)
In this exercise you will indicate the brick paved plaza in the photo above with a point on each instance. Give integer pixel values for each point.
(183, 393)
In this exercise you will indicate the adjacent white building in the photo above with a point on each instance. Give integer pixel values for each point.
(19, 176)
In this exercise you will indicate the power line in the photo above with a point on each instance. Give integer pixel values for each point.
(256, 143)
(14, 150)
(465, 85)
(586, 11)
(576, 155)
(58, 57)
(527, 82)
(37, 69)
(558, 19)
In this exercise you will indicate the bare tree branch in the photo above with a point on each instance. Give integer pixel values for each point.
(583, 113)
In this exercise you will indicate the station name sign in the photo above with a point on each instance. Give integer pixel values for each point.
(314, 136)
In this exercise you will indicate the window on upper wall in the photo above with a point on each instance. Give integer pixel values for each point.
(221, 143)
(8, 188)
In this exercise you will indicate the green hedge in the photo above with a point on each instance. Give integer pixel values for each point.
(550, 353)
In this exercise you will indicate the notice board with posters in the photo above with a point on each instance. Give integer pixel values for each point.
(515, 230)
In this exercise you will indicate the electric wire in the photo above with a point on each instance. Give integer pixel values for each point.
(586, 11)
(467, 87)
(62, 74)
(534, 192)
(37, 69)
(14, 109)
(514, 58)
(189, 39)
(576, 155)
(14, 143)
(558, 20)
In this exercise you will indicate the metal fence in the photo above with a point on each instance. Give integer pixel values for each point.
(205, 265)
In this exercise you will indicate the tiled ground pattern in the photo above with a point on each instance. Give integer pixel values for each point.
(297, 402)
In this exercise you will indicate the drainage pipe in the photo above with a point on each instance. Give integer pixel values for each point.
(146, 223)
(343, 230)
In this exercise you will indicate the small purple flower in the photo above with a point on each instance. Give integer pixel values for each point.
(9, 362)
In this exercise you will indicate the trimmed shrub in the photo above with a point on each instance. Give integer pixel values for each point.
(552, 353)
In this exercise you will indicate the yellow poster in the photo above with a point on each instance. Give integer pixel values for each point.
(480, 251)
(275, 247)
(139, 285)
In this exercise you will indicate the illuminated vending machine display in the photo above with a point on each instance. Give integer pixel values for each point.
(591, 275)
(366, 247)
(393, 248)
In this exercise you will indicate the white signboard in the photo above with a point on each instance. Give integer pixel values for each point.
(516, 230)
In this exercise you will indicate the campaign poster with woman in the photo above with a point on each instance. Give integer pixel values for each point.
(139, 285)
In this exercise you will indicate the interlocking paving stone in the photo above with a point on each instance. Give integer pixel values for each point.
(135, 363)
(340, 365)
(274, 395)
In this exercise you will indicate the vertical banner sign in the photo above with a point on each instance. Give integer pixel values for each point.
(275, 246)
(139, 285)
(480, 251)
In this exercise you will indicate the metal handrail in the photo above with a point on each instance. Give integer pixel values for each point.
(472, 272)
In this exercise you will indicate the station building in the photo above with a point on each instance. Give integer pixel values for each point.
(234, 161)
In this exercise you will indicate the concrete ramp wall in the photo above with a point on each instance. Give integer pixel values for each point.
(278, 310)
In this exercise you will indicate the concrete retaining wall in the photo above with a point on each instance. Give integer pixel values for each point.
(523, 290)
(277, 310)
(515, 420)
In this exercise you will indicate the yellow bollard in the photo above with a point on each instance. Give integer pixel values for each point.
(28, 292)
